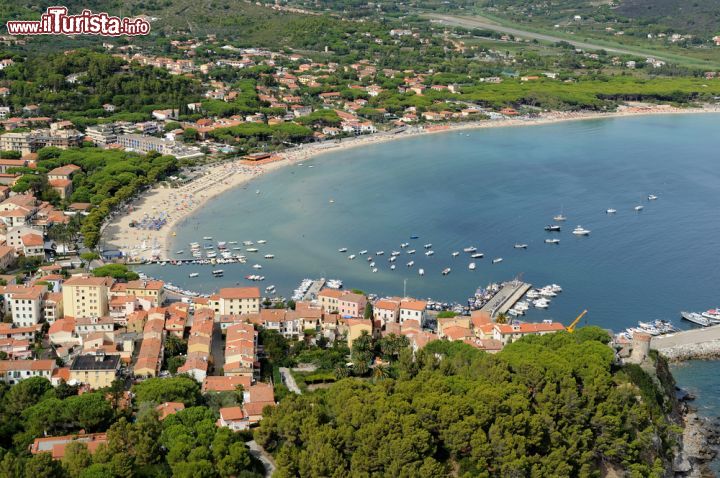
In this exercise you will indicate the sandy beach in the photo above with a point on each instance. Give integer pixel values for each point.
(171, 205)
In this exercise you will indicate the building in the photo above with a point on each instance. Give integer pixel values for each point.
(56, 445)
(226, 384)
(411, 309)
(151, 290)
(91, 325)
(347, 304)
(169, 408)
(237, 300)
(33, 245)
(26, 305)
(387, 310)
(85, 296)
(355, 329)
(13, 371)
(233, 418)
(96, 370)
(507, 333)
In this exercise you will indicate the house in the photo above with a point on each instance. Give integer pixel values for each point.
(25, 305)
(255, 399)
(226, 384)
(411, 309)
(347, 304)
(9, 332)
(33, 245)
(96, 370)
(163, 115)
(86, 296)
(387, 310)
(52, 306)
(169, 408)
(233, 418)
(62, 332)
(13, 371)
(56, 445)
(506, 333)
(241, 350)
(356, 327)
(90, 325)
(151, 290)
(238, 300)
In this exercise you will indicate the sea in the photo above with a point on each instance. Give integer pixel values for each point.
(493, 188)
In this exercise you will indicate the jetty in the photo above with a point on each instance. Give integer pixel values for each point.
(314, 290)
(689, 344)
(506, 298)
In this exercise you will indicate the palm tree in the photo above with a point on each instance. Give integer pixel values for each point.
(381, 372)
(501, 319)
(341, 372)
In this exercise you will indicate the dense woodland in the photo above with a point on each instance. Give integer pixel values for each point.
(545, 406)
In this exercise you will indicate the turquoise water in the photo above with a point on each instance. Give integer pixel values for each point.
(493, 188)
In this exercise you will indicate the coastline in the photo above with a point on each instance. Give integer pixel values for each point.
(177, 204)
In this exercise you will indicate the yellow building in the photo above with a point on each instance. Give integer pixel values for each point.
(355, 329)
(238, 300)
(97, 370)
(150, 290)
(85, 296)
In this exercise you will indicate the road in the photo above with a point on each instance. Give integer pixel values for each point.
(289, 381)
(265, 458)
(478, 22)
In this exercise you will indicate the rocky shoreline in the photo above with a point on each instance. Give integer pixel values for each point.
(700, 445)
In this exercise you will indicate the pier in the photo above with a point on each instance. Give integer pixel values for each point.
(689, 344)
(314, 289)
(506, 298)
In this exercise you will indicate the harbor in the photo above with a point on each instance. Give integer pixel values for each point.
(701, 343)
(506, 298)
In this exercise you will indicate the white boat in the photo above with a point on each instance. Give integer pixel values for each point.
(652, 197)
(429, 253)
(532, 294)
(392, 259)
(455, 254)
(470, 249)
(639, 208)
(247, 243)
(262, 241)
(269, 256)
(552, 241)
(477, 255)
(351, 256)
(232, 242)
(427, 246)
(404, 245)
(364, 251)
(559, 218)
(395, 253)
(218, 272)
(446, 271)
(342, 249)
(547, 292)
(581, 231)
(374, 269)
(372, 264)
(207, 238)
(180, 252)
(541, 304)
(496, 260)
(392, 267)
(411, 251)
(270, 288)
(211, 255)
(411, 263)
(471, 266)
(421, 272)
(257, 266)
(521, 246)
(695, 318)
(379, 253)
(611, 211)
(370, 258)
(193, 274)
(251, 249)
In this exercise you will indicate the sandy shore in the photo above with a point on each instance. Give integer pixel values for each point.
(172, 205)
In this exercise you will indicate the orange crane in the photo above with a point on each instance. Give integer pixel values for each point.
(571, 327)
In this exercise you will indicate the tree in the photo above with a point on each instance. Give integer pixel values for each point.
(159, 390)
(116, 271)
(42, 464)
(76, 458)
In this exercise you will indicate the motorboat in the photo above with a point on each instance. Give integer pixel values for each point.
(581, 231)
(364, 251)
(207, 238)
(379, 253)
(552, 241)
(193, 274)
(370, 258)
(559, 218)
(372, 264)
(713, 315)
(552, 228)
(180, 252)
(427, 246)
(395, 253)
(471, 266)
(446, 271)
(269, 256)
(411, 251)
(497, 260)
(414, 236)
(455, 254)
(695, 318)
(533, 294)
(411, 263)
(429, 253)
(652, 197)
(392, 259)
(257, 266)
(251, 249)
(477, 255)
(342, 249)
(374, 269)
(351, 256)
(639, 208)
(541, 304)
(247, 243)
(521, 246)
(218, 272)
(421, 272)
(470, 249)
(392, 267)
(611, 211)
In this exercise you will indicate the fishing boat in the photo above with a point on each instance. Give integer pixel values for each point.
(342, 249)
(695, 318)
(552, 241)
(477, 255)
(611, 211)
(470, 249)
(552, 228)
(429, 253)
(471, 266)
(497, 260)
(521, 246)
(446, 271)
(421, 272)
(455, 254)
(581, 231)
(193, 274)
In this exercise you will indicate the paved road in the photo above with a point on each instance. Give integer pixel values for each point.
(267, 460)
(686, 337)
(289, 380)
(475, 22)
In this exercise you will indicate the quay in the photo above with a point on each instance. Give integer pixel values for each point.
(314, 290)
(689, 344)
(506, 298)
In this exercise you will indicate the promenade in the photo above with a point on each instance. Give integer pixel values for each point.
(689, 344)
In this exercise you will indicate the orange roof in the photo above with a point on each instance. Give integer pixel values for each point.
(327, 292)
(231, 413)
(387, 304)
(455, 332)
(413, 304)
(66, 170)
(256, 408)
(169, 408)
(32, 240)
(225, 384)
(59, 183)
(88, 281)
(37, 365)
(62, 373)
(239, 293)
(262, 392)
(145, 284)
(62, 325)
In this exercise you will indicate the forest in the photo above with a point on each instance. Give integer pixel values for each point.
(553, 405)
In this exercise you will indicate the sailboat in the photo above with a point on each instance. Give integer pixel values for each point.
(560, 217)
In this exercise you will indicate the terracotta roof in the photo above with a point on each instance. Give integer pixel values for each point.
(455, 332)
(231, 413)
(66, 170)
(88, 281)
(413, 304)
(62, 325)
(256, 408)
(169, 408)
(37, 365)
(225, 384)
(239, 293)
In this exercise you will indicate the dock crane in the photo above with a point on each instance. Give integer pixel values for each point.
(571, 327)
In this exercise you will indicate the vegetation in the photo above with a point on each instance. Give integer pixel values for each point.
(116, 271)
(545, 406)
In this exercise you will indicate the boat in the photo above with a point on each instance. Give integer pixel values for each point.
(270, 288)
(552, 228)
(581, 231)
(262, 241)
(374, 269)
(552, 241)
(257, 266)
(334, 283)
(446, 271)
(411, 263)
(411, 251)
(541, 303)
(392, 267)
(532, 294)
(211, 255)
(218, 272)
(713, 315)
(497, 260)
(470, 249)
(414, 236)
(611, 211)
(247, 243)
(404, 245)
(269, 256)
(193, 274)
(695, 318)
(427, 246)
(372, 264)
(395, 253)
(207, 238)
(421, 272)
(370, 258)
(364, 251)
(521, 246)
(257, 191)
(351, 256)
(652, 197)
(342, 249)
(332, 201)
(180, 252)
(251, 249)
(639, 208)
(471, 266)
(232, 242)
(455, 254)
(477, 255)
(379, 253)
(429, 253)
(392, 259)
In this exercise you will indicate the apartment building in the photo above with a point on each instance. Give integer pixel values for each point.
(85, 296)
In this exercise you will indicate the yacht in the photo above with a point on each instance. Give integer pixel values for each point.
(552, 241)
(251, 249)
(257, 266)
(611, 211)
(477, 255)
(427, 246)
(521, 246)
(392, 259)
(364, 251)
(559, 218)
(470, 249)
(351, 256)
(446, 271)
(404, 245)
(496, 260)
(652, 197)
(262, 241)
(207, 238)
(455, 254)
(411, 251)
(421, 272)
(342, 249)
(429, 253)
(547, 292)
(395, 253)
(541, 303)
(695, 318)
(193, 274)
(639, 208)
(552, 228)
(533, 294)
(471, 266)
(372, 264)
(411, 263)
(269, 256)
(580, 231)
(379, 253)
(270, 289)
